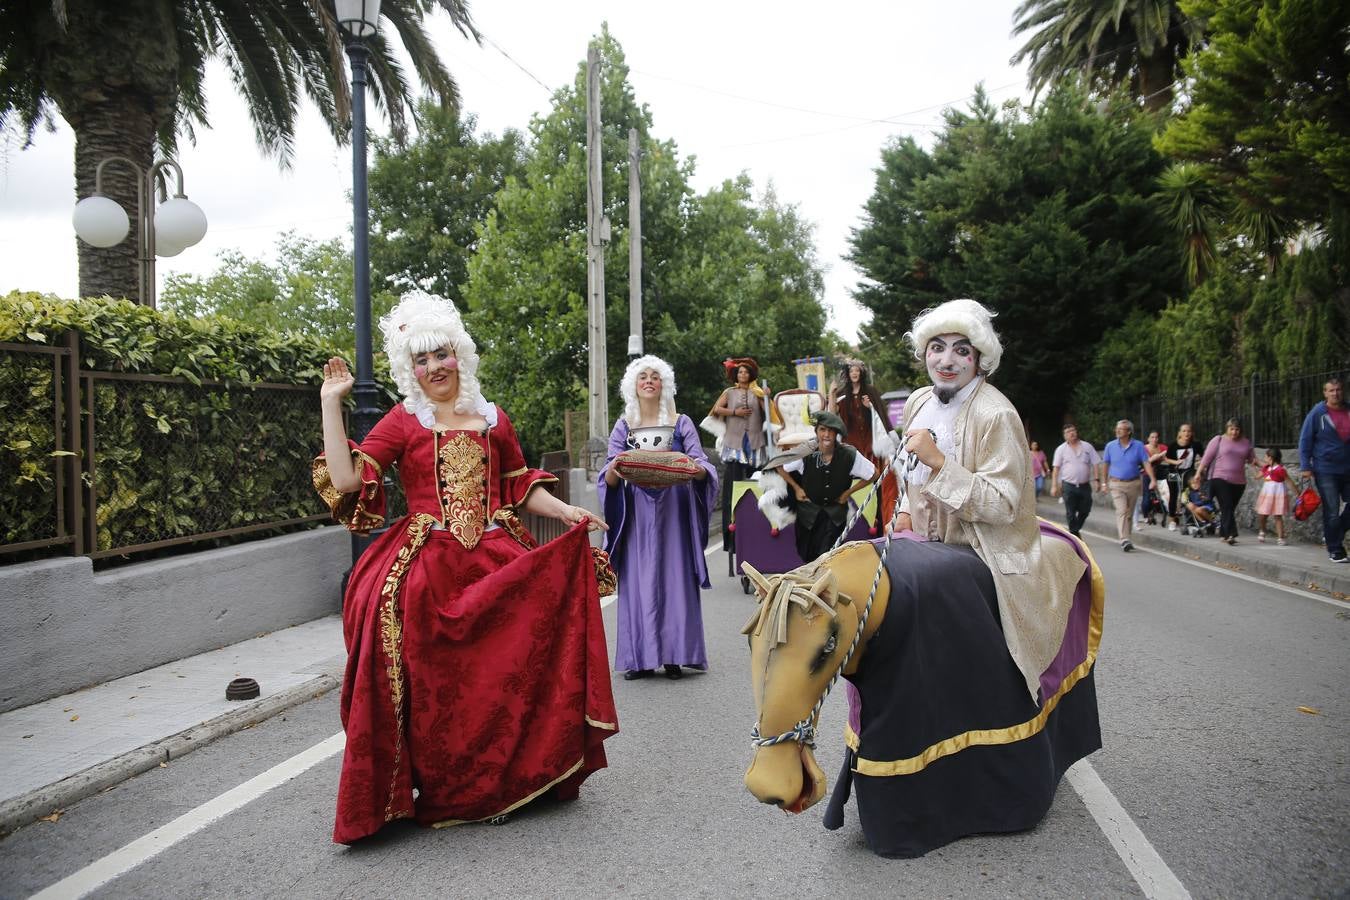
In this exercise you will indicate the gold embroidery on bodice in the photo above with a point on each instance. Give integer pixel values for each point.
(463, 487)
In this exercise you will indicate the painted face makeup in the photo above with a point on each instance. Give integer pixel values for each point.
(952, 364)
(437, 373)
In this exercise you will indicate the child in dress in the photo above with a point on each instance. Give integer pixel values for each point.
(1273, 500)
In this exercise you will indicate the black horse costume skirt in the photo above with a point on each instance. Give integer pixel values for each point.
(944, 739)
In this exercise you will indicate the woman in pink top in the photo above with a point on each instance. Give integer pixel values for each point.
(1040, 467)
(1226, 459)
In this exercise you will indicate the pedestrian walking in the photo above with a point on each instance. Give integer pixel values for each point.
(1226, 459)
(1157, 452)
(1122, 462)
(1040, 466)
(1183, 455)
(1075, 461)
(1324, 455)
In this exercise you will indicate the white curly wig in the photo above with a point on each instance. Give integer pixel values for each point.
(628, 389)
(965, 317)
(421, 322)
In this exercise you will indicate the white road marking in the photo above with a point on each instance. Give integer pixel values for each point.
(1330, 601)
(1154, 878)
(119, 862)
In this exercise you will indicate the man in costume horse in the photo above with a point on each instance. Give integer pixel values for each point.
(968, 636)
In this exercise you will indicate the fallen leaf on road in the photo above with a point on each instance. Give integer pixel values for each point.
(52, 818)
(163, 765)
(27, 736)
(68, 709)
(1310, 710)
(74, 717)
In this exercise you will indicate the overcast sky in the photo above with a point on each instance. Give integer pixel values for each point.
(803, 96)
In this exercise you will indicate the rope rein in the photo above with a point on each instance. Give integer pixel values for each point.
(804, 732)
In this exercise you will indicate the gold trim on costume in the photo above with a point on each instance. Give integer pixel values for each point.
(607, 726)
(447, 823)
(518, 472)
(349, 508)
(994, 736)
(391, 638)
(463, 488)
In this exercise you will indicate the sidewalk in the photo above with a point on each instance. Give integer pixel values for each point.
(62, 750)
(1300, 564)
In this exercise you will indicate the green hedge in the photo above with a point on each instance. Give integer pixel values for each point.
(171, 459)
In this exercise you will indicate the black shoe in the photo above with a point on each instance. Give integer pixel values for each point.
(635, 674)
(1127, 546)
(674, 673)
(1338, 556)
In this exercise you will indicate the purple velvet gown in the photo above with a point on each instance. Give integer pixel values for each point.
(655, 541)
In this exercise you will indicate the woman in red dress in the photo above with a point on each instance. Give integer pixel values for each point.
(856, 400)
(477, 673)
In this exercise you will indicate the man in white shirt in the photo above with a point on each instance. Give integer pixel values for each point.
(1071, 472)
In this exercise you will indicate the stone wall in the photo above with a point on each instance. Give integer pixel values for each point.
(67, 626)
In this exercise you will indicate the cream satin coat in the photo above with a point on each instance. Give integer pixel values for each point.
(986, 499)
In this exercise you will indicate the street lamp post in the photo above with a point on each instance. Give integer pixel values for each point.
(360, 20)
(168, 230)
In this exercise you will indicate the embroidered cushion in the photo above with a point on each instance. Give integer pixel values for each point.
(655, 468)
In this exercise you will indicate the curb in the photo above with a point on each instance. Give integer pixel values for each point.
(1206, 550)
(17, 812)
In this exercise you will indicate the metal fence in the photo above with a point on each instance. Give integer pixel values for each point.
(1271, 409)
(108, 464)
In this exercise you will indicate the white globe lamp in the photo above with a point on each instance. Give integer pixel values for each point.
(100, 221)
(178, 223)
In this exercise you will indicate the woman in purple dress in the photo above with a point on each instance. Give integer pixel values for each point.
(657, 535)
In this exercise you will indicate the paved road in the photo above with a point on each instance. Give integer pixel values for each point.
(1231, 790)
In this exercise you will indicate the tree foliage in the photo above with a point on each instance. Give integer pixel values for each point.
(129, 75)
(1269, 117)
(723, 274)
(307, 290)
(429, 197)
(1048, 216)
(1137, 44)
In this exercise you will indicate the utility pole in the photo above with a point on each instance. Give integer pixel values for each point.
(634, 246)
(597, 235)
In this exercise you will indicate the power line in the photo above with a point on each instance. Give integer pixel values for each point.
(513, 62)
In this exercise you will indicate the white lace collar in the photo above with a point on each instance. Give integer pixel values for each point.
(426, 412)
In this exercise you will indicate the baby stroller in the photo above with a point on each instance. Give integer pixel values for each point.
(1152, 507)
(1192, 524)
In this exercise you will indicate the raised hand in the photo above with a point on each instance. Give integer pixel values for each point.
(337, 380)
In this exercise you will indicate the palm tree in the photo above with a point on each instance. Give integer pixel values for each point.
(1139, 43)
(129, 78)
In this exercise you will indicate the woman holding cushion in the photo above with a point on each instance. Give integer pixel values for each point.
(657, 534)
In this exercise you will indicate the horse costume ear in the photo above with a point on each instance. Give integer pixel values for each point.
(827, 588)
(762, 586)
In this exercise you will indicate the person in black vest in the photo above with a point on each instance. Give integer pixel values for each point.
(822, 483)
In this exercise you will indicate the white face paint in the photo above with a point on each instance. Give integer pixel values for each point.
(952, 364)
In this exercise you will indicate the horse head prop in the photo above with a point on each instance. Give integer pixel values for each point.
(806, 631)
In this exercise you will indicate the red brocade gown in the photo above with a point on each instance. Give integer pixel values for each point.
(477, 670)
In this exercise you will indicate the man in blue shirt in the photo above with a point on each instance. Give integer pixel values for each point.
(1122, 461)
(1324, 455)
